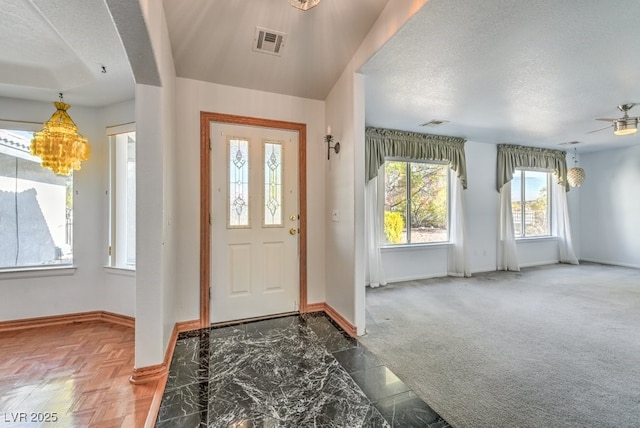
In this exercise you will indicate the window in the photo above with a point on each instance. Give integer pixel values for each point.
(36, 207)
(530, 203)
(416, 194)
(122, 245)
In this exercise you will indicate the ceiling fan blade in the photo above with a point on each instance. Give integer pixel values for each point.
(606, 119)
(599, 129)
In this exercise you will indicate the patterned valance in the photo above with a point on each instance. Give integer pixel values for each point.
(511, 157)
(390, 143)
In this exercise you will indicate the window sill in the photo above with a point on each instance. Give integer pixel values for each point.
(537, 239)
(117, 270)
(416, 247)
(37, 272)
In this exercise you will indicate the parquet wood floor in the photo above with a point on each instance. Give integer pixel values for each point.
(77, 372)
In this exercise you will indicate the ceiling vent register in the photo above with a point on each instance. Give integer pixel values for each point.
(435, 122)
(268, 41)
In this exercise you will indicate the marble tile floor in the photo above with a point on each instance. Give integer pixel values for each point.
(294, 371)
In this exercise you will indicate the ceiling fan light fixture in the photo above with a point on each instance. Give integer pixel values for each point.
(304, 4)
(625, 126)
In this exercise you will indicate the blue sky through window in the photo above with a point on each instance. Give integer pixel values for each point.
(535, 181)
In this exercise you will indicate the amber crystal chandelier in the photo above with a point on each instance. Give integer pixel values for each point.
(304, 4)
(59, 145)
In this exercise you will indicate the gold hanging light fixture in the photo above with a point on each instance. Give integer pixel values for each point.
(575, 175)
(59, 144)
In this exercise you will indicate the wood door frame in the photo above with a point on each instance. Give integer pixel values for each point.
(206, 118)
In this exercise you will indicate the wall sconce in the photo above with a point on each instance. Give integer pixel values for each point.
(329, 139)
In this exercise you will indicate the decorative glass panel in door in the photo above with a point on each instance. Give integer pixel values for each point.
(272, 184)
(238, 183)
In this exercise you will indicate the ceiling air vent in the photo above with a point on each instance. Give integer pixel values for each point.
(268, 41)
(434, 123)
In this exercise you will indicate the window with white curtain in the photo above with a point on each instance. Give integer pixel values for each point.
(416, 202)
(122, 188)
(531, 203)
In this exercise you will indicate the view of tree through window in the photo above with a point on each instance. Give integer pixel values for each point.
(530, 203)
(416, 194)
(36, 207)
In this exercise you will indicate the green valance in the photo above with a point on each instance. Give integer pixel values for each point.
(390, 143)
(511, 157)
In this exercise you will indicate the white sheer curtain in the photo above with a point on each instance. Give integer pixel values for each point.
(374, 274)
(507, 253)
(458, 258)
(561, 225)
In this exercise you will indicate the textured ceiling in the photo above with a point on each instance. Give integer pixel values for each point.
(212, 41)
(52, 46)
(502, 71)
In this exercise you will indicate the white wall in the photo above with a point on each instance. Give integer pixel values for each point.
(195, 96)
(341, 196)
(55, 295)
(156, 246)
(482, 202)
(537, 252)
(410, 263)
(573, 201)
(610, 207)
(345, 173)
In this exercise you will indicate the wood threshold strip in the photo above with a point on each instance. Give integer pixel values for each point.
(246, 320)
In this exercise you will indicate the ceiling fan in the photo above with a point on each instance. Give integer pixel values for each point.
(624, 125)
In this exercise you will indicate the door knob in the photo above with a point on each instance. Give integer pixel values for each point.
(293, 231)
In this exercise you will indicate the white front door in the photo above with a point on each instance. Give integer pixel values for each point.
(254, 225)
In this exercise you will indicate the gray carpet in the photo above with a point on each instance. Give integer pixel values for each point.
(551, 346)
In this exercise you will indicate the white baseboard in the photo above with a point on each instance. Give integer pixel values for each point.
(416, 277)
(494, 269)
(543, 263)
(606, 262)
(484, 270)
